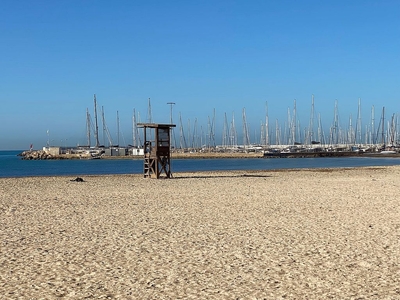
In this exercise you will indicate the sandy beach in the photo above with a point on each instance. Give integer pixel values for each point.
(293, 234)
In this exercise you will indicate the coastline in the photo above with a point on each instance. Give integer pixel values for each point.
(40, 155)
(325, 233)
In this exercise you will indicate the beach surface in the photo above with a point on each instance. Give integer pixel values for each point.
(290, 234)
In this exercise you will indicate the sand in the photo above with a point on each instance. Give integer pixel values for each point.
(299, 234)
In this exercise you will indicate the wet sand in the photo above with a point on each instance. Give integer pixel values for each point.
(296, 234)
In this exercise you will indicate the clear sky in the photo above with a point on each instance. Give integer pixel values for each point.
(202, 55)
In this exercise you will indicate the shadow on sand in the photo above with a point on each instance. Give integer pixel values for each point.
(222, 176)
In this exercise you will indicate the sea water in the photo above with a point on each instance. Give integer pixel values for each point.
(12, 165)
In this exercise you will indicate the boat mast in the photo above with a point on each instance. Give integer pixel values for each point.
(150, 119)
(190, 145)
(96, 133)
(88, 126)
(358, 124)
(277, 133)
(136, 137)
(173, 142)
(294, 122)
(225, 133)
(383, 126)
(335, 128)
(117, 128)
(211, 131)
(262, 134)
(246, 139)
(321, 138)
(182, 135)
(201, 136)
(299, 131)
(287, 139)
(232, 132)
(350, 135)
(194, 136)
(266, 125)
(397, 130)
(134, 143)
(392, 130)
(310, 133)
(373, 138)
(105, 128)
(139, 140)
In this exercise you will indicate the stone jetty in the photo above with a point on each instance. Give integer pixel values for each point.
(41, 154)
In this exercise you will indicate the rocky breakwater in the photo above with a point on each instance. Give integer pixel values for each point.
(38, 154)
(41, 154)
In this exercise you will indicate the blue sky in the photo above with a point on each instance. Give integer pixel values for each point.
(202, 55)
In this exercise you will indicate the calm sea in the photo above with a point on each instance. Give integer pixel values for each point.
(11, 165)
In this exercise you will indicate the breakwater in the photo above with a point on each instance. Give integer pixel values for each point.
(43, 155)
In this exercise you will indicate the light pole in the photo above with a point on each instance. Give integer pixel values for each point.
(171, 104)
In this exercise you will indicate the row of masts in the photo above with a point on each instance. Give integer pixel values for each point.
(195, 136)
(95, 126)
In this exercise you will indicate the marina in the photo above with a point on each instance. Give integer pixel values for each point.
(271, 139)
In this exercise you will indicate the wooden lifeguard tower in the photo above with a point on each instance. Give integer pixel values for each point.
(157, 155)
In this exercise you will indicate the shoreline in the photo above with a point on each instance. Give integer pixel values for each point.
(204, 173)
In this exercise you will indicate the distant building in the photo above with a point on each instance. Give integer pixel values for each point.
(136, 151)
(52, 150)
